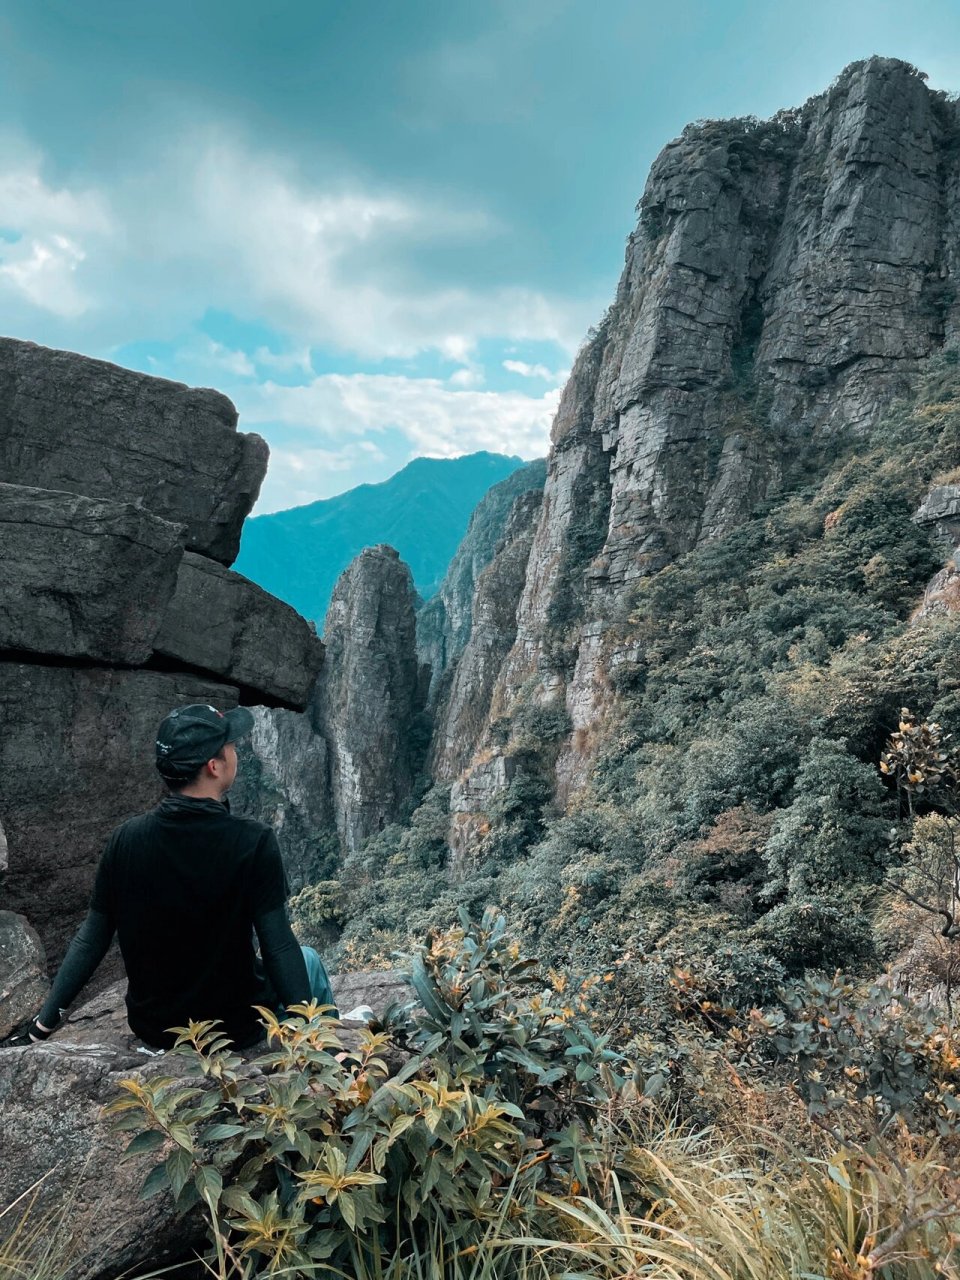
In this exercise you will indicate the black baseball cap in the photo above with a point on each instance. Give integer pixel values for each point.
(193, 735)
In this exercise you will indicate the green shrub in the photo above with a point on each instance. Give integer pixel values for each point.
(836, 830)
(870, 1058)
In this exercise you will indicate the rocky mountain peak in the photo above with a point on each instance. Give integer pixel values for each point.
(367, 703)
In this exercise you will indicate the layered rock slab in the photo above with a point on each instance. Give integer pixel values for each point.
(86, 426)
(226, 624)
(76, 759)
(83, 577)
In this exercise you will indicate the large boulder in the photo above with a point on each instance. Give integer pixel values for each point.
(226, 624)
(83, 577)
(52, 1128)
(86, 426)
(77, 759)
(53, 1132)
(375, 989)
(23, 972)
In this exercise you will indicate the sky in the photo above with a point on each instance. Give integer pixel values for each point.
(383, 227)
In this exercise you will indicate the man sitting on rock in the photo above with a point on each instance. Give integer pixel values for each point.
(184, 887)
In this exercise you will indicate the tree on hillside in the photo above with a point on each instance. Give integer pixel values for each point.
(834, 832)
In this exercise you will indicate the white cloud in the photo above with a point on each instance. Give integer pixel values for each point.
(469, 377)
(213, 224)
(52, 229)
(299, 476)
(539, 371)
(43, 273)
(437, 421)
(323, 264)
(209, 355)
(284, 361)
(319, 265)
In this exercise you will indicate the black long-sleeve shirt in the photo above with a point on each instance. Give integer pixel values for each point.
(184, 887)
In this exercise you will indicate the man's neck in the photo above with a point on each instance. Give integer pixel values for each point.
(201, 791)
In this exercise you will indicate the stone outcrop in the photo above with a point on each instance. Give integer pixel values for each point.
(331, 779)
(470, 797)
(220, 622)
(86, 426)
(83, 577)
(52, 1129)
(939, 514)
(113, 484)
(444, 622)
(786, 279)
(370, 693)
(53, 1133)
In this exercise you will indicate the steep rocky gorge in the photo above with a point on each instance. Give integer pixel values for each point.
(785, 280)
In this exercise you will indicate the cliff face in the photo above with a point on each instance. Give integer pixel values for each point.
(785, 280)
(121, 502)
(283, 778)
(444, 622)
(462, 714)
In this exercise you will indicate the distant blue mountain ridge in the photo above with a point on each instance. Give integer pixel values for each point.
(422, 511)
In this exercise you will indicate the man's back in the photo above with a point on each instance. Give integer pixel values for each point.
(183, 885)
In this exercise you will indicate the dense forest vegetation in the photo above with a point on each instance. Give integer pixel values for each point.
(737, 815)
(755, 901)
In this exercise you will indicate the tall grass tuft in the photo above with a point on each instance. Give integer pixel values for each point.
(37, 1243)
(710, 1213)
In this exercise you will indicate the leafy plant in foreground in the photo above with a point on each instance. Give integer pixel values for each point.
(315, 1154)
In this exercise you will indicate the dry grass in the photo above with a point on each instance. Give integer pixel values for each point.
(681, 1206)
(36, 1243)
